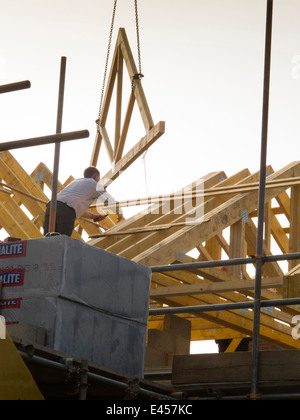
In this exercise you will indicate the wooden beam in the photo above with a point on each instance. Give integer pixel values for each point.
(284, 202)
(237, 247)
(96, 149)
(146, 219)
(155, 133)
(110, 87)
(105, 109)
(210, 204)
(120, 148)
(140, 244)
(236, 367)
(138, 89)
(8, 189)
(133, 244)
(279, 234)
(13, 174)
(219, 287)
(213, 248)
(12, 227)
(47, 176)
(109, 148)
(236, 320)
(233, 345)
(291, 283)
(270, 269)
(170, 199)
(183, 278)
(217, 220)
(216, 333)
(294, 240)
(13, 211)
(118, 101)
(268, 225)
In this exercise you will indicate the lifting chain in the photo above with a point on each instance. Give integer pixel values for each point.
(137, 76)
(106, 64)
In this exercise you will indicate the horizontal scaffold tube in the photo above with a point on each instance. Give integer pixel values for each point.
(41, 141)
(223, 307)
(11, 87)
(225, 263)
(65, 365)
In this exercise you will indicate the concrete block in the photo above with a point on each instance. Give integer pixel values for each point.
(64, 267)
(84, 332)
(93, 304)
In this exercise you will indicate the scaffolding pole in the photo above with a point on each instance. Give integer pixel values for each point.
(71, 367)
(225, 263)
(42, 141)
(12, 87)
(223, 307)
(262, 193)
(53, 202)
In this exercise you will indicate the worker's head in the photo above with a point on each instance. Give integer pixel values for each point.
(92, 172)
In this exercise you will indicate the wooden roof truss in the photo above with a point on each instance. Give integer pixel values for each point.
(228, 229)
(123, 54)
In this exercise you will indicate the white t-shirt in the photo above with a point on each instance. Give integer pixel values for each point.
(81, 193)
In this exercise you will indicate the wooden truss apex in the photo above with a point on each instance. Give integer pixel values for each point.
(115, 151)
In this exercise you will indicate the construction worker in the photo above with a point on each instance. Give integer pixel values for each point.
(74, 201)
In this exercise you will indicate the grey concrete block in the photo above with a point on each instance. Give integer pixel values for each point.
(93, 304)
(64, 267)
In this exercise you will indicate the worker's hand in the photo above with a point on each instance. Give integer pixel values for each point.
(99, 217)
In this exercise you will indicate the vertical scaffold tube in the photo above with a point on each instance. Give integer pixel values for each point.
(261, 208)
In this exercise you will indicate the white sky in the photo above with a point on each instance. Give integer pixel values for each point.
(203, 67)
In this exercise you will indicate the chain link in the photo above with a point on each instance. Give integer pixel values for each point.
(137, 76)
(138, 35)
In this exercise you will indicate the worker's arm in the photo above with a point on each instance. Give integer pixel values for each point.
(95, 217)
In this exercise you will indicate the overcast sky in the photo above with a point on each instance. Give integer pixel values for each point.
(203, 67)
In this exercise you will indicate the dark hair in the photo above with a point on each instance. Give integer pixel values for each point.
(90, 172)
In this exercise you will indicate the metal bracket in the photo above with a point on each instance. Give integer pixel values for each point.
(259, 257)
(133, 389)
(254, 396)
